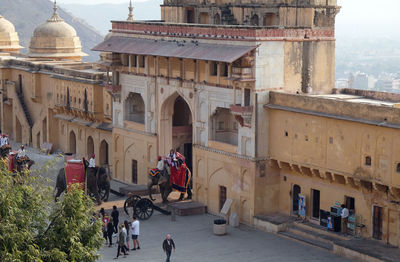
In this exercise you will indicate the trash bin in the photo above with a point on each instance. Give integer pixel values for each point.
(219, 227)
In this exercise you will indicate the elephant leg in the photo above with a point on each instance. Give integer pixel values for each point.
(189, 192)
(164, 194)
(59, 191)
(181, 196)
(149, 188)
(108, 193)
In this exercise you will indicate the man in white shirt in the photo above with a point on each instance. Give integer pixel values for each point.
(92, 162)
(21, 152)
(160, 164)
(5, 140)
(345, 217)
(135, 233)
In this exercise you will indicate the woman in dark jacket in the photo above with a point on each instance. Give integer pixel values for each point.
(110, 231)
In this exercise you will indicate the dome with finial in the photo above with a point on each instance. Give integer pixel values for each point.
(56, 39)
(9, 41)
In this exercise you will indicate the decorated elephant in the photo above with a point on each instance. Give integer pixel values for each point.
(97, 183)
(18, 164)
(167, 184)
(5, 151)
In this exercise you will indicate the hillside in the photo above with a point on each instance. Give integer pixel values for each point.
(26, 15)
(100, 15)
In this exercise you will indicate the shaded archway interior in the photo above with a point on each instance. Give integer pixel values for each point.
(182, 130)
(72, 142)
(90, 146)
(104, 153)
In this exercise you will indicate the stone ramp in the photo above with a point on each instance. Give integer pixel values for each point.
(367, 250)
(187, 208)
(312, 234)
(318, 236)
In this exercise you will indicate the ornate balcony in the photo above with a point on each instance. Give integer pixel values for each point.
(242, 73)
(113, 89)
(243, 114)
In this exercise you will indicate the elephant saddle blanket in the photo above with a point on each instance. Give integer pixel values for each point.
(11, 163)
(154, 172)
(180, 178)
(75, 173)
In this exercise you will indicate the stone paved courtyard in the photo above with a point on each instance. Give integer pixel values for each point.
(195, 241)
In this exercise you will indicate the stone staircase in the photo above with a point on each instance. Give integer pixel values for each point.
(312, 234)
(25, 109)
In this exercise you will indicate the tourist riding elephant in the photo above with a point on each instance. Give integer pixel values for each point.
(162, 179)
(98, 183)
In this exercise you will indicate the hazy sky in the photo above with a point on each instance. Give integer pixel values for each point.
(356, 16)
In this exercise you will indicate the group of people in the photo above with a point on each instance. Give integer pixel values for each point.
(173, 159)
(123, 231)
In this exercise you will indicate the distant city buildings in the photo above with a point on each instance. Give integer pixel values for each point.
(384, 82)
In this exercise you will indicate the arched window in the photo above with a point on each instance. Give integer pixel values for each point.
(217, 19)
(134, 108)
(254, 20)
(368, 161)
(223, 127)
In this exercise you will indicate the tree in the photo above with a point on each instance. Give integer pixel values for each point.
(34, 228)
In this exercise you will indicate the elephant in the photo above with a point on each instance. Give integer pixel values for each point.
(98, 183)
(23, 163)
(5, 151)
(162, 179)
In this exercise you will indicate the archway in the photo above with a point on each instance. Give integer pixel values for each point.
(72, 142)
(90, 146)
(176, 129)
(103, 153)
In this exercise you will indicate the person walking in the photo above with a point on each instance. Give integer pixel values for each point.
(115, 217)
(125, 232)
(135, 233)
(121, 242)
(105, 220)
(110, 231)
(167, 246)
(345, 216)
(127, 227)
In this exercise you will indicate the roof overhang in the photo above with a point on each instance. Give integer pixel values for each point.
(188, 50)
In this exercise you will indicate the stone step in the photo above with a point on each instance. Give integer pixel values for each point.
(309, 234)
(187, 208)
(310, 241)
(320, 230)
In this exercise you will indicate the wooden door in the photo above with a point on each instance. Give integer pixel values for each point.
(295, 199)
(222, 196)
(377, 222)
(315, 203)
(134, 171)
